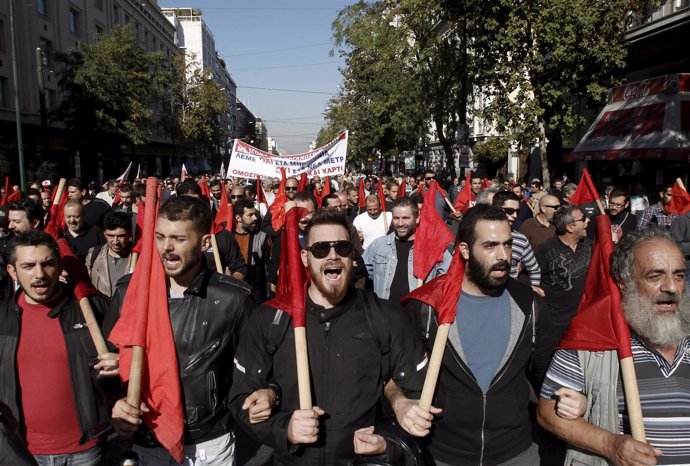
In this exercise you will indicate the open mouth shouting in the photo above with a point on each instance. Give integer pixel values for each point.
(333, 271)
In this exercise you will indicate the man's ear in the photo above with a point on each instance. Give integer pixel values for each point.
(464, 250)
(303, 255)
(205, 242)
(12, 271)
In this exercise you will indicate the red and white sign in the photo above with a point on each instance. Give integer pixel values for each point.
(247, 161)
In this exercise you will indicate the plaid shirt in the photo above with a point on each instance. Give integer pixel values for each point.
(655, 214)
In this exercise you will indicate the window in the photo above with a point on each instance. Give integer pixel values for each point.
(2, 35)
(98, 4)
(73, 21)
(42, 7)
(47, 49)
(116, 14)
(126, 18)
(3, 92)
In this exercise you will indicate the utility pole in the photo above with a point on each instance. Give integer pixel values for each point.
(40, 62)
(17, 110)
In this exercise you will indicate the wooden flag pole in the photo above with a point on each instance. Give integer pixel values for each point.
(301, 352)
(434, 367)
(632, 399)
(58, 192)
(680, 183)
(133, 258)
(216, 254)
(92, 325)
(450, 206)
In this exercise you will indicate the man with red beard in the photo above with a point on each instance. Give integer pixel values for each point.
(346, 332)
(499, 342)
(650, 271)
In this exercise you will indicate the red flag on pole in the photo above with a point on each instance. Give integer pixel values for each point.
(599, 324)
(8, 190)
(442, 292)
(145, 322)
(55, 224)
(139, 228)
(401, 191)
(260, 194)
(205, 191)
(277, 209)
(224, 214)
(586, 192)
(362, 195)
(432, 237)
(680, 200)
(379, 193)
(77, 275)
(292, 275)
(465, 196)
(302, 182)
(486, 183)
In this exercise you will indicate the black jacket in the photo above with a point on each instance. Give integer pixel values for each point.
(206, 325)
(91, 408)
(477, 428)
(347, 369)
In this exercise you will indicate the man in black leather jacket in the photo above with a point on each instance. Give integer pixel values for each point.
(207, 310)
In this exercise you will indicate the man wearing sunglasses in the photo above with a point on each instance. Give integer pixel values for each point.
(389, 259)
(539, 228)
(345, 329)
(522, 255)
(564, 262)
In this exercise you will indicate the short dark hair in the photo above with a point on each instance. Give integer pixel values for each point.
(33, 192)
(115, 220)
(467, 227)
(249, 191)
(214, 182)
(139, 190)
(305, 196)
(417, 197)
(502, 196)
(30, 238)
(76, 183)
(242, 204)
(190, 209)
(564, 217)
(126, 188)
(32, 209)
(617, 192)
(326, 217)
(188, 187)
(112, 183)
(329, 197)
(406, 202)
(429, 170)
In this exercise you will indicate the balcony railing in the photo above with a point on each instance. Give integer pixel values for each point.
(650, 15)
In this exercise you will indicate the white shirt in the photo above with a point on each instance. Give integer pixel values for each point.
(372, 228)
(103, 195)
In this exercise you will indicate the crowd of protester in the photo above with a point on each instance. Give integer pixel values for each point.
(507, 393)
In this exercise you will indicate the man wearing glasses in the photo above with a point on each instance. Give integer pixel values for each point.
(522, 256)
(564, 261)
(539, 228)
(622, 221)
(345, 331)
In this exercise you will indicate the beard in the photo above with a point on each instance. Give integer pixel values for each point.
(660, 330)
(333, 292)
(251, 227)
(480, 274)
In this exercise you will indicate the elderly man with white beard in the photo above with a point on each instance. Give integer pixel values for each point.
(650, 271)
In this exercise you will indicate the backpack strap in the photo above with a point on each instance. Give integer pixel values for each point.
(94, 254)
(277, 331)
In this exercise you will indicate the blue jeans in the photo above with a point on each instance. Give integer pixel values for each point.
(90, 457)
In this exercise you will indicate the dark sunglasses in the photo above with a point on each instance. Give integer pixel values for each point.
(290, 188)
(583, 219)
(235, 196)
(510, 210)
(430, 178)
(552, 206)
(321, 249)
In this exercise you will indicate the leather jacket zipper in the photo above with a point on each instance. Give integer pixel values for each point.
(196, 360)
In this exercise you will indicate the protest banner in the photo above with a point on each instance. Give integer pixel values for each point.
(247, 161)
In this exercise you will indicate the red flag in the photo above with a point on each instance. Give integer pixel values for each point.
(379, 193)
(145, 321)
(77, 275)
(586, 192)
(401, 191)
(486, 183)
(326, 189)
(442, 292)
(302, 182)
(224, 214)
(14, 196)
(292, 276)
(277, 209)
(55, 224)
(8, 190)
(205, 191)
(362, 196)
(260, 194)
(432, 237)
(680, 200)
(599, 324)
(465, 196)
(139, 228)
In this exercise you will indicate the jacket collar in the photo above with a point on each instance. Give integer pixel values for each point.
(56, 310)
(200, 282)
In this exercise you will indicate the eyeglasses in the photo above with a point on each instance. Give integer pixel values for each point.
(290, 188)
(429, 178)
(583, 219)
(235, 196)
(321, 249)
(510, 210)
(615, 204)
(552, 206)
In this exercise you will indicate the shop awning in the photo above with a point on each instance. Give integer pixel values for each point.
(643, 120)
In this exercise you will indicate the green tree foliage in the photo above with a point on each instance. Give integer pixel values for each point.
(110, 91)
